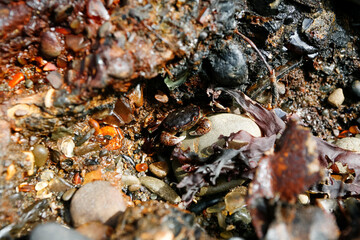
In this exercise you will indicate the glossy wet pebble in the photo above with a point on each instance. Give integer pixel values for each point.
(222, 124)
(336, 98)
(50, 45)
(160, 188)
(55, 231)
(41, 154)
(96, 201)
(159, 169)
(349, 143)
(355, 86)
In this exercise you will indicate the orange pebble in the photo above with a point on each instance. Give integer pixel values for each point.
(345, 133)
(141, 167)
(77, 179)
(354, 129)
(64, 31)
(16, 79)
(109, 130)
(24, 187)
(94, 124)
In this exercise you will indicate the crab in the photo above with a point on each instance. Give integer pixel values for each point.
(181, 120)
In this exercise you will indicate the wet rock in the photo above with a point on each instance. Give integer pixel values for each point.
(225, 15)
(159, 169)
(298, 46)
(355, 87)
(349, 143)
(222, 124)
(318, 31)
(55, 231)
(336, 98)
(41, 154)
(160, 188)
(95, 230)
(96, 201)
(50, 45)
(55, 79)
(227, 65)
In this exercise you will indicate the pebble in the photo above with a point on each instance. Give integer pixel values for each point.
(59, 185)
(160, 188)
(349, 143)
(96, 201)
(66, 145)
(134, 187)
(221, 124)
(228, 65)
(55, 231)
(95, 230)
(41, 154)
(50, 45)
(159, 169)
(336, 98)
(128, 180)
(55, 79)
(355, 86)
(68, 194)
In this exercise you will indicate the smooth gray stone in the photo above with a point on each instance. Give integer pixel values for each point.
(54, 231)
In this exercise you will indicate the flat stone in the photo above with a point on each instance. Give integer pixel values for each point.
(160, 188)
(96, 201)
(55, 231)
(159, 169)
(349, 143)
(336, 98)
(221, 124)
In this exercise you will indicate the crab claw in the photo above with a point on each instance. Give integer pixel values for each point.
(169, 139)
(204, 126)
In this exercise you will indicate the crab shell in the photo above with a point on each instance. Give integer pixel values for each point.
(182, 119)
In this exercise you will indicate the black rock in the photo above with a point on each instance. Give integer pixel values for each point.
(227, 65)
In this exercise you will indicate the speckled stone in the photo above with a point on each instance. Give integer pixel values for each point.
(221, 124)
(55, 231)
(96, 201)
(336, 98)
(349, 143)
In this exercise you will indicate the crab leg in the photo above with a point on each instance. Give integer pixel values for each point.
(273, 82)
(204, 126)
(169, 139)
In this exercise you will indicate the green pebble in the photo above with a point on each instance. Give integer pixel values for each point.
(41, 154)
